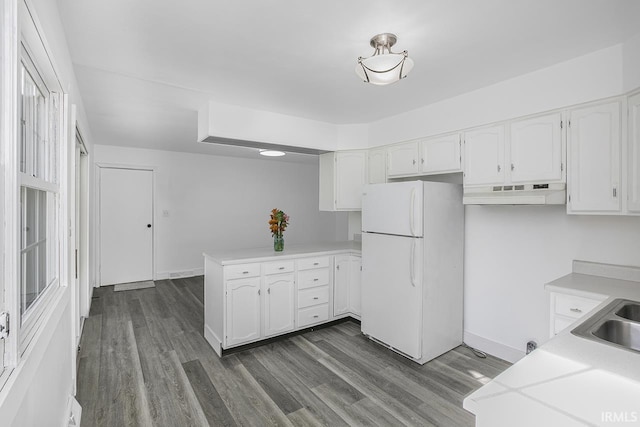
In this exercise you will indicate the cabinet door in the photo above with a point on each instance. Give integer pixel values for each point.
(634, 153)
(536, 149)
(278, 304)
(351, 175)
(441, 155)
(402, 159)
(355, 285)
(243, 311)
(484, 156)
(378, 166)
(341, 286)
(594, 142)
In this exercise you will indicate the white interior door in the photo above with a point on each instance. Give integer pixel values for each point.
(126, 220)
(392, 291)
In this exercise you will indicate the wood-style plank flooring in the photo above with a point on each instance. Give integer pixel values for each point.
(143, 361)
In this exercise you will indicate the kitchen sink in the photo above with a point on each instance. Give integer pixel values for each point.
(625, 334)
(630, 311)
(617, 324)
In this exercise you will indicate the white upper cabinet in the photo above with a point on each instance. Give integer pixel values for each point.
(378, 166)
(441, 154)
(536, 149)
(484, 156)
(342, 175)
(634, 154)
(403, 159)
(594, 153)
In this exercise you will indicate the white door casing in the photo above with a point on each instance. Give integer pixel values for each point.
(634, 153)
(126, 225)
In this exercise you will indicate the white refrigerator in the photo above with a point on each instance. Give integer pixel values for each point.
(412, 262)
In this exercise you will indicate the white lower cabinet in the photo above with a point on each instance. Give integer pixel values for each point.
(243, 301)
(347, 285)
(279, 303)
(248, 302)
(566, 309)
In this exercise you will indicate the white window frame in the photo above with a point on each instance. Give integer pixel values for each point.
(20, 27)
(31, 318)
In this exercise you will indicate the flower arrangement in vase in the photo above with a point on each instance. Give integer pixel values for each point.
(277, 224)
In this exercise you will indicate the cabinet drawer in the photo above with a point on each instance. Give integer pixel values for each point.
(311, 278)
(574, 306)
(311, 315)
(276, 267)
(313, 296)
(309, 263)
(241, 270)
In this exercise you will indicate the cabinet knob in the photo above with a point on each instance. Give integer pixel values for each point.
(512, 166)
(414, 161)
(315, 297)
(245, 272)
(575, 310)
(315, 316)
(422, 161)
(316, 263)
(315, 280)
(499, 168)
(281, 268)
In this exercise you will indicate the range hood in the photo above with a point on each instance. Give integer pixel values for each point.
(521, 194)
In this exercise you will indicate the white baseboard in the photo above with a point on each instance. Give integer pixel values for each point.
(493, 348)
(74, 412)
(179, 274)
(213, 340)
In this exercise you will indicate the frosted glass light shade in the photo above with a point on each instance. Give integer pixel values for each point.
(384, 69)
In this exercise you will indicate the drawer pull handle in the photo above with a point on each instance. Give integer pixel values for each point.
(316, 263)
(245, 272)
(281, 268)
(575, 310)
(315, 297)
(315, 316)
(315, 280)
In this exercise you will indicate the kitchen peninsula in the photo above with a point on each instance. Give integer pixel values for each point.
(255, 294)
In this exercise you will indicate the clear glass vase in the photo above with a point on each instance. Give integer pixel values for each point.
(278, 243)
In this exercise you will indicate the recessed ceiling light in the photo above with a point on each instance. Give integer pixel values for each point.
(272, 153)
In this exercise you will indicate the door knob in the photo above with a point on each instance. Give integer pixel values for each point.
(148, 225)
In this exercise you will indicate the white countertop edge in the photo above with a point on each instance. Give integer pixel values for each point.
(254, 255)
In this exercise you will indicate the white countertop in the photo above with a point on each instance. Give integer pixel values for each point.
(241, 256)
(569, 380)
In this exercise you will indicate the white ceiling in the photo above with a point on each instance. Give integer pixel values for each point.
(145, 67)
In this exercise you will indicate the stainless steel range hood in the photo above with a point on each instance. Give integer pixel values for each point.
(522, 194)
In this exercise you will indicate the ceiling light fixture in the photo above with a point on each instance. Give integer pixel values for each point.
(384, 68)
(272, 153)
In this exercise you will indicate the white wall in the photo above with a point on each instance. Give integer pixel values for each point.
(218, 203)
(586, 78)
(37, 391)
(631, 63)
(512, 251)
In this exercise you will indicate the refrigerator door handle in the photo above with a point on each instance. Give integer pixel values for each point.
(412, 263)
(411, 219)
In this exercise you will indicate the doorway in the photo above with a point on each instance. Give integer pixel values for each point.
(125, 225)
(80, 274)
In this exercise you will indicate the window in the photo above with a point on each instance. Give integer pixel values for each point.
(40, 122)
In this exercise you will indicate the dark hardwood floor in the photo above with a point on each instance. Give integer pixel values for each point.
(143, 361)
